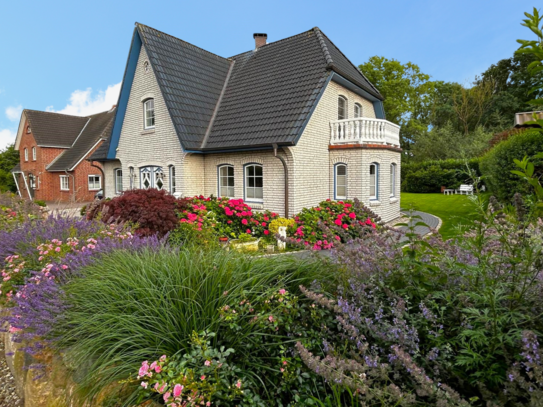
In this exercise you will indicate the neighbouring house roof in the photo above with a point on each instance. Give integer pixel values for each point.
(251, 100)
(17, 168)
(97, 128)
(54, 129)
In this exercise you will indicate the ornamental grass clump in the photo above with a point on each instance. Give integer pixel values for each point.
(127, 309)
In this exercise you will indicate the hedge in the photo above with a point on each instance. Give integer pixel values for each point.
(430, 176)
(497, 164)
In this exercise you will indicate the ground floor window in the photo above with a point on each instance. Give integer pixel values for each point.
(64, 183)
(32, 181)
(226, 181)
(374, 181)
(152, 177)
(94, 182)
(173, 188)
(118, 180)
(340, 181)
(254, 183)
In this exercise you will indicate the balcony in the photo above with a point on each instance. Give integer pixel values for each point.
(364, 130)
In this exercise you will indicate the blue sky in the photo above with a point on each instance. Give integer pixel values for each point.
(69, 56)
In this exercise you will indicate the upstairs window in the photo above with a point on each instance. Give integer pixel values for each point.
(34, 153)
(26, 154)
(374, 181)
(94, 182)
(28, 130)
(226, 181)
(118, 180)
(340, 181)
(357, 110)
(392, 180)
(149, 113)
(254, 183)
(64, 183)
(341, 108)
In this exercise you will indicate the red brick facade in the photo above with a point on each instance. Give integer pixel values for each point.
(48, 183)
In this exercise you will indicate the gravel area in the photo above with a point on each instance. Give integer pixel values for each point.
(8, 395)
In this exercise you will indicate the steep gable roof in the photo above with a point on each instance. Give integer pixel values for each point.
(97, 128)
(54, 129)
(251, 100)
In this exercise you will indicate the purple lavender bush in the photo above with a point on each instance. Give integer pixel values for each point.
(439, 323)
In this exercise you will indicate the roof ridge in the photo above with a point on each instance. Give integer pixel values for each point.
(327, 56)
(59, 114)
(138, 25)
(345, 56)
(275, 42)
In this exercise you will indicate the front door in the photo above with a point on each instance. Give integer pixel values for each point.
(151, 177)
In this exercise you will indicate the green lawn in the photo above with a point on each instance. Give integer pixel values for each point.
(454, 210)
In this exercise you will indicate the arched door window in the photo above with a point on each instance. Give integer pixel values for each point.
(151, 177)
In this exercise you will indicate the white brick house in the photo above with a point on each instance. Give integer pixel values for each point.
(284, 126)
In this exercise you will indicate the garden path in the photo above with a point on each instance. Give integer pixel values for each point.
(432, 222)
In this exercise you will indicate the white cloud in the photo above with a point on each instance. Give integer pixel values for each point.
(13, 113)
(84, 103)
(7, 137)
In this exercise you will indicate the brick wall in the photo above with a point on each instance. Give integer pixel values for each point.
(48, 183)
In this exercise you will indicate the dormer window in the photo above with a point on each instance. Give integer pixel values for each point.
(28, 131)
(149, 113)
(341, 108)
(357, 110)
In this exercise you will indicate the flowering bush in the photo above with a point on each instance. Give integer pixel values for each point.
(14, 211)
(331, 222)
(200, 377)
(228, 217)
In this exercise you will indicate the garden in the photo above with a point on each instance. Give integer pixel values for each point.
(146, 307)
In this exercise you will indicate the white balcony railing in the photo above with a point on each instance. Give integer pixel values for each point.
(364, 130)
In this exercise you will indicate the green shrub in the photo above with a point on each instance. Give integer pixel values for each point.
(126, 309)
(430, 176)
(497, 164)
(41, 203)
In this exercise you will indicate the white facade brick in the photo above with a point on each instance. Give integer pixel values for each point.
(310, 163)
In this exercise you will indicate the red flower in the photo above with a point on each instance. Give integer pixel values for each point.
(248, 231)
(266, 232)
(244, 221)
(352, 215)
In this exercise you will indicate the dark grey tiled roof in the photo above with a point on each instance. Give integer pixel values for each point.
(17, 168)
(98, 128)
(101, 152)
(191, 80)
(54, 129)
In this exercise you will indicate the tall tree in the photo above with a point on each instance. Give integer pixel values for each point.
(406, 92)
(9, 157)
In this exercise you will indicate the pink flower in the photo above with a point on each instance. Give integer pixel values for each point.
(177, 390)
(202, 377)
(244, 221)
(345, 226)
(144, 369)
(57, 249)
(158, 368)
(338, 221)
(266, 232)
(238, 384)
(337, 237)
(270, 318)
(282, 291)
(248, 231)
(163, 358)
(285, 362)
(264, 224)
(352, 215)
(207, 363)
(282, 370)
(144, 385)
(167, 396)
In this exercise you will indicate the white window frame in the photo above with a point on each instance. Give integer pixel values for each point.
(118, 180)
(357, 106)
(374, 183)
(154, 175)
(393, 180)
(26, 154)
(32, 181)
(345, 109)
(33, 153)
(246, 186)
(64, 179)
(173, 186)
(94, 187)
(228, 178)
(145, 112)
(336, 184)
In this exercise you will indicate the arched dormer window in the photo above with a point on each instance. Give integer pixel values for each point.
(357, 110)
(374, 181)
(341, 108)
(340, 181)
(149, 114)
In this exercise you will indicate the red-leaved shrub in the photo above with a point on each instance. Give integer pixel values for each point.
(151, 209)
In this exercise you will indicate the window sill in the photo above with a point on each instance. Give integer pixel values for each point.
(255, 205)
(148, 131)
(375, 202)
(393, 199)
(94, 190)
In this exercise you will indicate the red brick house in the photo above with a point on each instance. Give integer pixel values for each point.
(53, 152)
